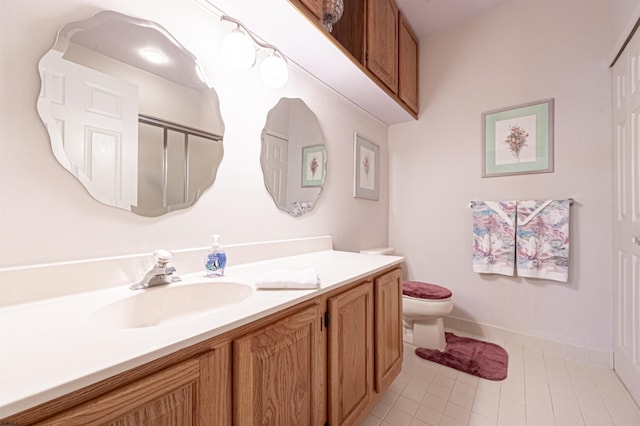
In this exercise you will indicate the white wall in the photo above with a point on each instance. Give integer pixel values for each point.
(46, 215)
(522, 51)
(625, 15)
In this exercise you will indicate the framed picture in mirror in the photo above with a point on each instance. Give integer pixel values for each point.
(366, 179)
(313, 166)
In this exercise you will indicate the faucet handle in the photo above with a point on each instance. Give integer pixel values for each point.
(163, 257)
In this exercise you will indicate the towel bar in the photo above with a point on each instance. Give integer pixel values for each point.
(472, 203)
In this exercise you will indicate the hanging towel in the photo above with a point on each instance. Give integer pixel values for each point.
(542, 240)
(289, 278)
(494, 237)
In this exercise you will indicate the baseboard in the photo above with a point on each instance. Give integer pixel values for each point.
(533, 343)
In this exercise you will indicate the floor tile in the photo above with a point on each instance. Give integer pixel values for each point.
(542, 389)
(434, 402)
(397, 417)
(406, 405)
(428, 415)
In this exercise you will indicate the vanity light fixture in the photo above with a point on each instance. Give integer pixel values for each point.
(273, 70)
(239, 50)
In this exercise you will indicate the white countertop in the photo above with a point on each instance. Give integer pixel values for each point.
(51, 347)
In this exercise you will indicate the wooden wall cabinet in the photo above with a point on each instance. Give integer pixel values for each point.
(375, 35)
(382, 42)
(328, 359)
(312, 8)
(349, 31)
(407, 65)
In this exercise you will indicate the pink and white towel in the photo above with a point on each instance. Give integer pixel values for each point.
(542, 239)
(494, 231)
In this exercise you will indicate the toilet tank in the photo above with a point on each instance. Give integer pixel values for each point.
(378, 250)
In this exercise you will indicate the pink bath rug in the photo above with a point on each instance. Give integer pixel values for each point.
(482, 359)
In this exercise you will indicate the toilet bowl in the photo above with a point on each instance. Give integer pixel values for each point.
(424, 306)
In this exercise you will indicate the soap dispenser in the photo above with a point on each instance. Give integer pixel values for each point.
(216, 259)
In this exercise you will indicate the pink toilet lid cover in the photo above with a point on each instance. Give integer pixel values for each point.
(422, 290)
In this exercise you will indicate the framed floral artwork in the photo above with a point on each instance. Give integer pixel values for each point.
(313, 165)
(518, 140)
(366, 179)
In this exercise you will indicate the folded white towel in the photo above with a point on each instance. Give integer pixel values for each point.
(289, 278)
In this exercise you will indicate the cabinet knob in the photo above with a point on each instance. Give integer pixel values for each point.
(636, 241)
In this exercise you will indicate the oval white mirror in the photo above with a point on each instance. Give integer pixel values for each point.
(293, 156)
(130, 114)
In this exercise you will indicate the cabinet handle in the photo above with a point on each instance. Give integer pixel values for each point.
(636, 241)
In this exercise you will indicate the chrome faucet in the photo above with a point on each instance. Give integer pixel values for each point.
(160, 274)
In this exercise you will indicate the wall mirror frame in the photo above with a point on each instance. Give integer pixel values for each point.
(130, 114)
(293, 156)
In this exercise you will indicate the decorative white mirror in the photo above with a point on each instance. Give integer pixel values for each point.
(293, 156)
(130, 114)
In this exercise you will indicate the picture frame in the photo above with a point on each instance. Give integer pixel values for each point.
(313, 166)
(518, 140)
(366, 178)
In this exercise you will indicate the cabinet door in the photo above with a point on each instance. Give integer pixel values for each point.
(350, 353)
(277, 373)
(407, 66)
(313, 8)
(382, 41)
(388, 353)
(169, 398)
(215, 387)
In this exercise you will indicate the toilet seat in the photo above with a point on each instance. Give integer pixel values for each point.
(425, 291)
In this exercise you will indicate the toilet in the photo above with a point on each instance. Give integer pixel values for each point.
(424, 306)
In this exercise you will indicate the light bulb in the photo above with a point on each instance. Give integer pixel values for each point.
(274, 71)
(238, 50)
(154, 56)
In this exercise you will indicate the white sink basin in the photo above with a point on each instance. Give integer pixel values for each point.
(166, 304)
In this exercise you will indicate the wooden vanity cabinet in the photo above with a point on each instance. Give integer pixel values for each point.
(365, 346)
(350, 353)
(325, 360)
(277, 374)
(191, 393)
(388, 328)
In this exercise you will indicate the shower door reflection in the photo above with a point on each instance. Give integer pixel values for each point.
(171, 156)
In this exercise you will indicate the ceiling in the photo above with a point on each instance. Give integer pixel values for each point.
(124, 39)
(430, 16)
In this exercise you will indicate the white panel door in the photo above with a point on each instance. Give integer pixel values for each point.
(275, 164)
(92, 120)
(626, 229)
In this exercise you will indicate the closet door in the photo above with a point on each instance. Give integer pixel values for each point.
(626, 227)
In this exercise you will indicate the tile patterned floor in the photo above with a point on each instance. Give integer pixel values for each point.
(540, 390)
